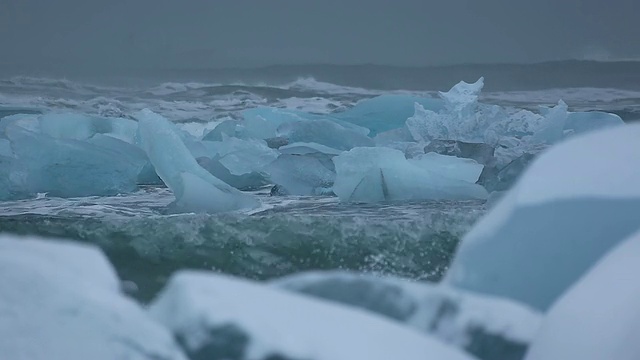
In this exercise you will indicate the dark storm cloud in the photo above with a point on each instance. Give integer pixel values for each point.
(215, 33)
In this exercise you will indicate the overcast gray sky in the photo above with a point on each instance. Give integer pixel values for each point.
(220, 33)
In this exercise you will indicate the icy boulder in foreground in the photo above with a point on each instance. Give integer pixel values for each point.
(70, 168)
(598, 317)
(194, 187)
(62, 301)
(488, 327)
(573, 204)
(383, 174)
(302, 174)
(215, 317)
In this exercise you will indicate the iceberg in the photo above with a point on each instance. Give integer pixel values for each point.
(449, 166)
(598, 316)
(486, 327)
(215, 316)
(386, 112)
(574, 203)
(194, 187)
(383, 174)
(309, 174)
(71, 168)
(62, 301)
(324, 132)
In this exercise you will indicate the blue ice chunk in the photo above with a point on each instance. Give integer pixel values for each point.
(324, 132)
(241, 156)
(194, 187)
(383, 174)
(310, 174)
(147, 175)
(582, 122)
(71, 168)
(81, 126)
(227, 127)
(386, 112)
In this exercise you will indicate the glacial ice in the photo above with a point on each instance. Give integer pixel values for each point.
(70, 168)
(241, 156)
(248, 181)
(382, 174)
(134, 154)
(573, 204)
(449, 166)
(598, 316)
(309, 174)
(582, 122)
(324, 132)
(487, 327)
(194, 187)
(81, 127)
(386, 112)
(208, 312)
(62, 301)
(305, 148)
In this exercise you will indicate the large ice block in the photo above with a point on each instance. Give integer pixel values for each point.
(309, 174)
(62, 301)
(324, 132)
(241, 156)
(383, 174)
(574, 203)
(81, 127)
(598, 316)
(217, 316)
(194, 187)
(70, 168)
(386, 112)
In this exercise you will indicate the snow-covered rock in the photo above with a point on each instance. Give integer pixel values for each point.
(574, 203)
(598, 317)
(62, 300)
(216, 316)
(488, 327)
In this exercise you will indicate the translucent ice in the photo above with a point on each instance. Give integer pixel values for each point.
(194, 187)
(324, 132)
(582, 122)
(212, 313)
(62, 301)
(598, 317)
(574, 203)
(449, 166)
(382, 174)
(81, 127)
(70, 168)
(487, 327)
(310, 174)
(386, 112)
(241, 156)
